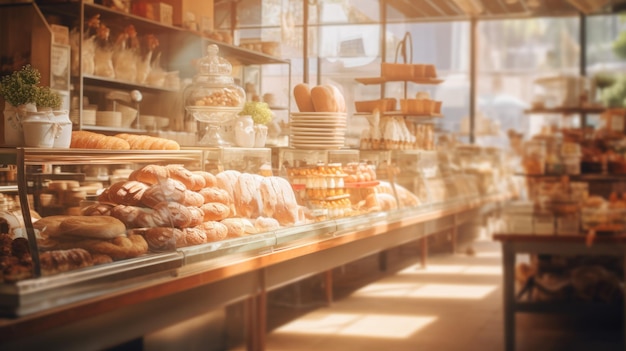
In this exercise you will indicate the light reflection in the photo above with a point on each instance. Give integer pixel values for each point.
(453, 269)
(454, 291)
(436, 291)
(352, 324)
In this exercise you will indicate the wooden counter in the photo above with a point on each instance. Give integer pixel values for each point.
(197, 288)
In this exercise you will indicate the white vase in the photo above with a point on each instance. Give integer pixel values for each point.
(63, 136)
(13, 115)
(244, 131)
(260, 135)
(39, 129)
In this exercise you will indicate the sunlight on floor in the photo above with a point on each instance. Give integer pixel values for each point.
(363, 325)
(452, 269)
(438, 291)
(454, 291)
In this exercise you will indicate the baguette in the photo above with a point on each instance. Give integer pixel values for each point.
(324, 99)
(302, 95)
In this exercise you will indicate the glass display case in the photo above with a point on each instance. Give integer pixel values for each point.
(249, 160)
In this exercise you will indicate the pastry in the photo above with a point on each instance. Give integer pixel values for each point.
(238, 227)
(150, 174)
(57, 261)
(215, 211)
(209, 178)
(126, 192)
(214, 194)
(168, 190)
(171, 214)
(266, 224)
(191, 180)
(214, 230)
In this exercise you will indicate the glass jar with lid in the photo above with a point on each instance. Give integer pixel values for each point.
(213, 97)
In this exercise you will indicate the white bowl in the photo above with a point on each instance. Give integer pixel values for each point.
(129, 114)
(109, 118)
(162, 122)
(147, 122)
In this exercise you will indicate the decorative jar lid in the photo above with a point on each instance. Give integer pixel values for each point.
(213, 96)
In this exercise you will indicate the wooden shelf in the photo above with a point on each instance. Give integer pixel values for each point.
(566, 110)
(402, 114)
(381, 80)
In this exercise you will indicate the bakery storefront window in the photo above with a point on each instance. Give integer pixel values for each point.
(512, 55)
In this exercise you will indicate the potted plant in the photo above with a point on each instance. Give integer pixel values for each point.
(19, 91)
(28, 105)
(261, 116)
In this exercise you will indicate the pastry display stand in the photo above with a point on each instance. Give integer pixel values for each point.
(513, 244)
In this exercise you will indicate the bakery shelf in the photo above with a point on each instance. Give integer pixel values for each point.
(102, 82)
(566, 110)
(381, 80)
(400, 114)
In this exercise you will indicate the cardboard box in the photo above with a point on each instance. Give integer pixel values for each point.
(161, 12)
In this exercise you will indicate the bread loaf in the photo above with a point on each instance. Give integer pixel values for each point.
(98, 209)
(97, 227)
(193, 198)
(82, 139)
(191, 236)
(191, 180)
(160, 239)
(149, 174)
(215, 231)
(126, 192)
(285, 206)
(226, 180)
(215, 194)
(266, 224)
(146, 142)
(49, 226)
(324, 99)
(118, 248)
(168, 190)
(133, 216)
(197, 216)
(339, 99)
(171, 214)
(209, 178)
(302, 95)
(215, 211)
(238, 227)
(246, 195)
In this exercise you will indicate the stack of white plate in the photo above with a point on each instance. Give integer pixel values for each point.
(317, 130)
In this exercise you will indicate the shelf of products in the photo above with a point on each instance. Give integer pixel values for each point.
(120, 62)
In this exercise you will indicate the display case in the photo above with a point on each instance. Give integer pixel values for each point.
(249, 160)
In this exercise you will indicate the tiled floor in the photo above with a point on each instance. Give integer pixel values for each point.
(453, 304)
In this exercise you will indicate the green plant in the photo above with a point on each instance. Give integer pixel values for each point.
(46, 98)
(20, 87)
(259, 111)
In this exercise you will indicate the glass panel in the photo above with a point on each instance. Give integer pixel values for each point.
(512, 54)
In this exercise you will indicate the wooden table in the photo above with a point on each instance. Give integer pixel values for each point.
(513, 244)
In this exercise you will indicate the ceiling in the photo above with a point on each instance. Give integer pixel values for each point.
(494, 9)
